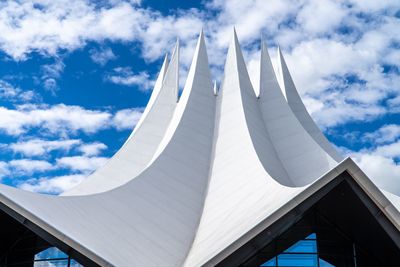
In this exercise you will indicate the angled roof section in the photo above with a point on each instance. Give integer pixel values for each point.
(249, 172)
(152, 219)
(138, 150)
(379, 207)
(296, 104)
(302, 158)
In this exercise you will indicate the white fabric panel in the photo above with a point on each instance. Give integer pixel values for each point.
(241, 192)
(296, 104)
(152, 219)
(138, 150)
(303, 159)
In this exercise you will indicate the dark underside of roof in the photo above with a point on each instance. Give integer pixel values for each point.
(20, 240)
(346, 222)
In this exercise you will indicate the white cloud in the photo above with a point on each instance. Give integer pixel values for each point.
(81, 163)
(380, 161)
(250, 18)
(53, 70)
(14, 94)
(374, 6)
(127, 118)
(125, 76)
(50, 74)
(394, 104)
(28, 166)
(48, 26)
(390, 150)
(4, 170)
(160, 33)
(325, 41)
(102, 56)
(39, 147)
(331, 50)
(385, 172)
(334, 109)
(52, 185)
(92, 149)
(336, 51)
(50, 84)
(54, 119)
(321, 16)
(64, 120)
(386, 134)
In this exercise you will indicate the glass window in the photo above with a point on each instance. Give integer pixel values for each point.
(323, 263)
(300, 260)
(271, 262)
(303, 253)
(51, 263)
(53, 257)
(74, 263)
(312, 236)
(308, 246)
(51, 253)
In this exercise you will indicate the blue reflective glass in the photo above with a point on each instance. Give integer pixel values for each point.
(74, 263)
(323, 263)
(312, 236)
(308, 246)
(50, 253)
(300, 260)
(271, 262)
(302, 254)
(51, 263)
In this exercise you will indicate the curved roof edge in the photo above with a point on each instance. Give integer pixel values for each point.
(137, 151)
(296, 104)
(303, 159)
(162, 206)
(244, 158)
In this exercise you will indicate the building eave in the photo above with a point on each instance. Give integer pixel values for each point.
(323, 185)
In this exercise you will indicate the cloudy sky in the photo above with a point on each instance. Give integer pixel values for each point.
(75, 74)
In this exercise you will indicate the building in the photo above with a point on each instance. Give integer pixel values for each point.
(218, 178)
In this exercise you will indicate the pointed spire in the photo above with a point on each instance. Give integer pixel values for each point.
(140, 146)
(268, 80)
(278, 115)
(199, 67)
(235, 45)
(165, 64)
(196, 93)
(171, 79)
(282, 67)
(297, 106)
(162, 73)
(235, 65)
(157, 90)
(215, 89)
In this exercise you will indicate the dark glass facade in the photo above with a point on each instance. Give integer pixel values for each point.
(338, 226)
(304, 253)
(22, 244)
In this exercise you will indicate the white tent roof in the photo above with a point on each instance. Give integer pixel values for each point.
(222, 168)
(299, 110)
(136, 153)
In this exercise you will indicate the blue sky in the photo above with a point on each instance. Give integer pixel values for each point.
(75, 75)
